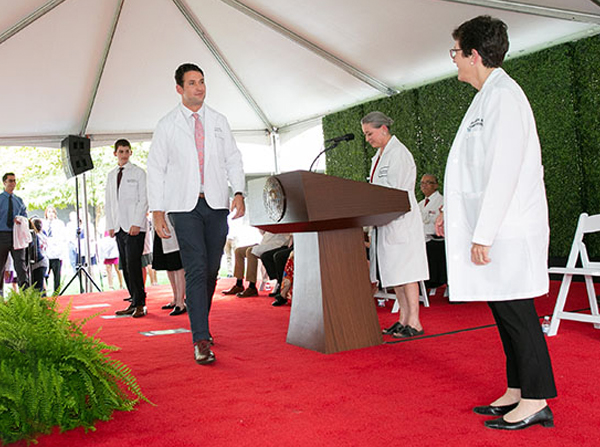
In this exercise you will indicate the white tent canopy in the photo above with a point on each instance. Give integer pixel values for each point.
(104, 68)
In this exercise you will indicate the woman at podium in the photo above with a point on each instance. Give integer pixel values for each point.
(398, 256)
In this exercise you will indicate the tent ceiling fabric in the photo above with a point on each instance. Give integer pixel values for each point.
(296, 60)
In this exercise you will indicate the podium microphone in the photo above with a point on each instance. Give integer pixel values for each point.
(334, 142)
(347, 137)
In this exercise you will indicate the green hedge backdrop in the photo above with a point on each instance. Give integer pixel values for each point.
(563, 87)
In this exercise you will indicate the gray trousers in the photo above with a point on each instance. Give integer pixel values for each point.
(6, 246)
(201, 234)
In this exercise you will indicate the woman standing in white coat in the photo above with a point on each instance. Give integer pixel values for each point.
(496, 220)
(398, 256)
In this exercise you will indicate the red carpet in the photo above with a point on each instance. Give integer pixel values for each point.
(264, 392)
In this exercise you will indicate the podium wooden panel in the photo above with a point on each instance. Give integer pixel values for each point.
(333, 309)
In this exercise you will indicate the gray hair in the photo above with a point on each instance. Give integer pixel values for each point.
(377, 119)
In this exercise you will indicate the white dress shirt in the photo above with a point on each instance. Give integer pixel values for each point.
(430, 212)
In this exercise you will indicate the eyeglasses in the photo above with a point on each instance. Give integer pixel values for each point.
(428, 183)
(454, 51)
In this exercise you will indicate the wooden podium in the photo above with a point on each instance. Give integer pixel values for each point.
(333, 309)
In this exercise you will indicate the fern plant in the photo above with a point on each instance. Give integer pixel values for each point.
(54, 374)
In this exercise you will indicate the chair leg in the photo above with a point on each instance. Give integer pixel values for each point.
(423, 294)
(591, 292)
(560, 304)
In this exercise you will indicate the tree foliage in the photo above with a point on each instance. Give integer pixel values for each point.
(41, 179)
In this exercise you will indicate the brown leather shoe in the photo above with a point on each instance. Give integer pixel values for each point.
(250, 291)
(234, 290)
(202, 352)
(129, 311)
(140, 311)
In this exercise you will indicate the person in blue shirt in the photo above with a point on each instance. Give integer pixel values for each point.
(11, 206)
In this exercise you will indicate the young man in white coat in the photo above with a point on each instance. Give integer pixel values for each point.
(192, 158)
(126, 207)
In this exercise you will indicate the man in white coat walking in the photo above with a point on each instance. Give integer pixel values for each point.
(192, 158)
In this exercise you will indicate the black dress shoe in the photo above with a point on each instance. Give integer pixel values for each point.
(396, 327)
(178, 311)
(275, 292)
(202, 353)
(544, 417)
(495, 410)
(279, 301)
(168, 306)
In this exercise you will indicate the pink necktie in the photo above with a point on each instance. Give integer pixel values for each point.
(199, 137)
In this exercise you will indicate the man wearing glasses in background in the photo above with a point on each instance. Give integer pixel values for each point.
(11, 206)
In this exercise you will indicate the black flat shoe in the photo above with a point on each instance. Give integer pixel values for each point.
(495, 410)
(408, 331)
(178, 311)
(396, 327)
(279, 301)
(544, 417)
(168, 306)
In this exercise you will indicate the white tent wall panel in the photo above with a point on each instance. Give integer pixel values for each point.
(48, 69)
(285, 78)
(138, 87)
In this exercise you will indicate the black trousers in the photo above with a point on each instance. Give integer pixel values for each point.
(528, 365)
(130, 257)
(19, 260)
(272, 260)
(55, 267)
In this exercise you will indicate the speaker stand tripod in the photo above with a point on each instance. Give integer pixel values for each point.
(81, 267)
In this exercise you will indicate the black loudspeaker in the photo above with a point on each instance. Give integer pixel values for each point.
(76, 157)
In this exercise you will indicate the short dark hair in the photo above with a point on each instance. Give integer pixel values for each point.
(122, 142)
(183, 69)
(5, 176)
(485, 34)
(37, 224)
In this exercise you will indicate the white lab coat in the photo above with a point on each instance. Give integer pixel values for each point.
(173, 172)
(128, 206)
(494, 195)
(399, 245)
(430, 212)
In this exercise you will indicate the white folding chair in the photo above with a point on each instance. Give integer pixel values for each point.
(586, 224)
(423, 298)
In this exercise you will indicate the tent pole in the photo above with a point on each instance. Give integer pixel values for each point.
(201, 32)
(535, 10)
(113, 28)
(25, 22)
(305, 43)
(274, 134)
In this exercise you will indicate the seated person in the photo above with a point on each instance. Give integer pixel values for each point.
(287, 283)
(274, 262)
(251, 254)
(430, 209)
